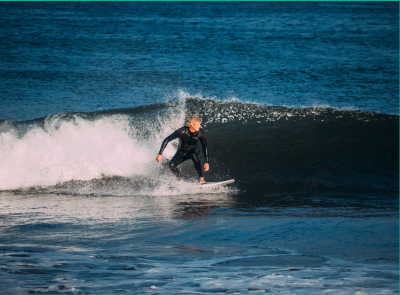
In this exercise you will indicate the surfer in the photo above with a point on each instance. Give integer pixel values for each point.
(187, 148)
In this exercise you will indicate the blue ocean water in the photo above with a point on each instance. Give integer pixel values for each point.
(74, 57)
(300, 105)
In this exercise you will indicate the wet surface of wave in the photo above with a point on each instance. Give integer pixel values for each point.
(272, 152)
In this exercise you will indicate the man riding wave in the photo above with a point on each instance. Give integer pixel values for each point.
(187, 148)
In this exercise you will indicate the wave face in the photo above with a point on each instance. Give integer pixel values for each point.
(270, 151)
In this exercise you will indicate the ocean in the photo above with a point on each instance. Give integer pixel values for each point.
(299, 102)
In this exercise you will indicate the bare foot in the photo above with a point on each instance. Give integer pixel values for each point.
(202, 180)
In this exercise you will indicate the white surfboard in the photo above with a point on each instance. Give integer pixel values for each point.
(219, 183)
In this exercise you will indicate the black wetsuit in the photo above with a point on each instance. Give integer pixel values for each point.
(187, 149)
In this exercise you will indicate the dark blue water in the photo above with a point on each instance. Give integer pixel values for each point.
(299, 102)
(62, 57)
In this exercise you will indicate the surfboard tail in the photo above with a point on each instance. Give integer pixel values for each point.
(219, 183)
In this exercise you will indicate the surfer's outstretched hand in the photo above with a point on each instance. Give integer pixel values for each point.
(159, 158)
(206, 167)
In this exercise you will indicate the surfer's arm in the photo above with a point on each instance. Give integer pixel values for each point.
(205, 148)
(167, 140)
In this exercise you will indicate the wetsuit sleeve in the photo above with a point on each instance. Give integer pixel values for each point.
(168, 139)
(205, 147)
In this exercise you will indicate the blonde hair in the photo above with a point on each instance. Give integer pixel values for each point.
(192, 120)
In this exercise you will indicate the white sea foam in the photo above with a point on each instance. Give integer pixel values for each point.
(80, 149)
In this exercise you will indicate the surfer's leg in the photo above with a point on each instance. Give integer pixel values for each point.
(175, 161)
(194, 155)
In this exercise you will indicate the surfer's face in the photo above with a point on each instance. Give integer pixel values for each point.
(196, 126)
